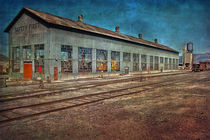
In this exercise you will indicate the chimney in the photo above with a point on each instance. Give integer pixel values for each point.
(140, 36)
(117, 29)
(156, 41)
(80, 18)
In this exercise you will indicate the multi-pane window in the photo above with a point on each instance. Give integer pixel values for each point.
(66, 58)
(126, 57)
(101, 60)
(16, 59)
(85, 59)
(39, 58)
(115, 56)
(151, 62)
(166, 63)
(135, 62)
(161, 63)
(170, 64)
(143, 62)
(177, 63)
(156, 63)
(174, 64)
(27, 52)
(161, 60)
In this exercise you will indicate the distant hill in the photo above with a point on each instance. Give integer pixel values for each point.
(3, 58)
(201, 57)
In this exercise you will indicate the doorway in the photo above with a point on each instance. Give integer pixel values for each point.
(27, 70)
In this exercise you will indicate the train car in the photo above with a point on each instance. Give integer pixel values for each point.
(205, 66)
(196, 67)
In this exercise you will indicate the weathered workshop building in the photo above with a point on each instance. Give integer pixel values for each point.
(41, 44)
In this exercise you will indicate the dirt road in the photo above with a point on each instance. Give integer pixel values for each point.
(180, 111)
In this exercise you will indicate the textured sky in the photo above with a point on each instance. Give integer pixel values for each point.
(172, 22)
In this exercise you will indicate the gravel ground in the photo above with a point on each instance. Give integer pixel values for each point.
(180, 111)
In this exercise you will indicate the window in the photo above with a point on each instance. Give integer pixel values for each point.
(177, 66)
(16, 59)
(143, 62)
(161, 60)
(135, 62)
(156, 63)
(151, 62)
(166, 63)
(170, 64)
(101, 60)
(126, 57)
(115, 56)
(66, 59)
(85, 59)
(26, 52)
(39, 58)
(174, 64)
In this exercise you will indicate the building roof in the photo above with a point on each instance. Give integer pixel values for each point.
(50, 20)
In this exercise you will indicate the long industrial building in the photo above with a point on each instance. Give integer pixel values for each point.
(45, 45)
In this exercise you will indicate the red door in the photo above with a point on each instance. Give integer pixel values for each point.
(55, 73)
(27, 70)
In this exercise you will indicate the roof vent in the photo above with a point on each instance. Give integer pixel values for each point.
(140, 36)
(156, 41)
(80, 18)
(117, 29)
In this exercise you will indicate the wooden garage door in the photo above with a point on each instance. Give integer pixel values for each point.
(27, 70)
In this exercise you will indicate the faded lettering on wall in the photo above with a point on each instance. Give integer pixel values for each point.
(26, 28)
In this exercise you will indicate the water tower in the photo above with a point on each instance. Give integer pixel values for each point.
(188, 55)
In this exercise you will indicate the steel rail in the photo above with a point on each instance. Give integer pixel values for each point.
(86, 102)
(75, 88)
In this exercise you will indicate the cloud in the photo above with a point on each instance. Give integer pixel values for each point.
(173, 22)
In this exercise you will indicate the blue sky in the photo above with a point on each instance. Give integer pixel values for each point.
(173, 22)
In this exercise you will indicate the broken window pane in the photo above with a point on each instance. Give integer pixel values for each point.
(135, 62)
(66, 59)
(170, 64)
(151, 62)
(16, 59)
(177, 63)
(85, 59)
(174, 64)
(156, 63)
(143, 62)
(39, 58)
(115, 56)
(166, 63)
(27, 52)
(126, 57)
(101, 60)
(161, 59)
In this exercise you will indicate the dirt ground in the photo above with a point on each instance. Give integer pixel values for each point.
(177, 112)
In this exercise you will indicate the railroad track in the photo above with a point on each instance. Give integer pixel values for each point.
(47, 92)
(28, 111)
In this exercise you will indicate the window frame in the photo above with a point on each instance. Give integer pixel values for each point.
(101, 65)
(135, 62)
(66, 62)
(84, 63)
(16, 59)
(39, 59)
(115, 61)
